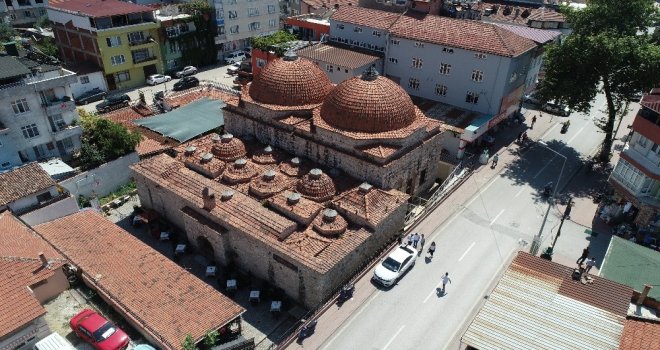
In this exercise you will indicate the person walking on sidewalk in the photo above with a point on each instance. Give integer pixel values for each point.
(415, 239)
(590, 263)
(432, 249)
(421, 245)
(533, 122)
(585, 254)
(496, 158)
(445, 280)
(410, 239)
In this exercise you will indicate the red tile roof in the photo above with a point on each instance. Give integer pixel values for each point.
(317, 4)
(20, 267)
(152, 142)
(164, 299)
(365, 17)
(98, 8)
(640, 334)
(464, 34)
(652, 100)
(24, 181)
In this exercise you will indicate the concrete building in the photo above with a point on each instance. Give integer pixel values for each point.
(339, 63)
(90, 76)
(38, 118)
(330, 165)
(636, 177)
(120, 37)
(26, 188)
(238, 21)
(312, 27)
(22, 13)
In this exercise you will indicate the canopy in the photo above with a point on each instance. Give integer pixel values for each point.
(187, 122)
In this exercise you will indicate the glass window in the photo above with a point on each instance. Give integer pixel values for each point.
(413, 83)
(20, 106)
(254, 26)
(477, 76)
(480, 56)
(472, 97)
(375, 33)
(339, 26)
(394, 41)
(393, 60)
(253, 11)
(445, 68)
(272, 23)
(113, 41)
(68, 143)
(84, 79)
(271, 9)
(417, 63)
(440, 90)
(122, 76)
(357, 29)
(233, 29)
(419, 44)
(30, 131)
(117, 60)
(232, 14)
(136, 37)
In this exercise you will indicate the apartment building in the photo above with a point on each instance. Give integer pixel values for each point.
(239, 20)
(22, 13)
(38, 118)
(636, 177)
(120, 37)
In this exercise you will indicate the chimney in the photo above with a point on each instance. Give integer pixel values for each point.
(227, 195)
(44, 261)
(293, 198)
(209, 198)
(645, 293)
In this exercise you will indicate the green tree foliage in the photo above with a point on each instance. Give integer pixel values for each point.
(7, 32)
(48, 47)
(609, 50)
(211, 339)
(273, 42)
(104, 140)
(199, 45)
(188, 343)
(43, 22)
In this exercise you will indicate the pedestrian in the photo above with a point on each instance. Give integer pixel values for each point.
(421, 244)
(415, 239)
(533, 122)
(496, 158)
(432, 249)
(590, 263)
(399, 239)
(519, 136)
(410, 239)
(445, 280)
(585, 254)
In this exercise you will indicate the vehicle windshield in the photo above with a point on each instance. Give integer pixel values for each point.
(391, 264)
(104, 332)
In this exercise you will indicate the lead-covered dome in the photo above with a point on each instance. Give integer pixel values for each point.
(370, 103)
(290, 81)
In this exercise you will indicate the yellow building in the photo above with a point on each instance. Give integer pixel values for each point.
(120, 37)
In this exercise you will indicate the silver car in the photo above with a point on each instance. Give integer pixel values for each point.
(556, 108)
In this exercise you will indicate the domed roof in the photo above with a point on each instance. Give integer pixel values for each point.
(270, 183)
(370, 103)
(240, 171)
(290, 81)
(317, 186)
(227, 147)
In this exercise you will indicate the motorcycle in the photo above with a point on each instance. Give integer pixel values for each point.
(547, 190)
(346, 293)
(564, 127)
(307, 330)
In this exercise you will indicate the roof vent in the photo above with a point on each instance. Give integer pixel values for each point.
(329, 215)
(227, 195)
(293, 198)
(269, 174)
(206, 157)
(239, 163)
(190, 150)
(44, 261)
(215, 138)
(295, 161)
(365, 187)
(290, 55)
(268, 150)
(227, 137)
(315, 173)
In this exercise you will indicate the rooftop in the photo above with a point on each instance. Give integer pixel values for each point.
(640, 334)
(152, 142)
(518, 15)
(337, 56)
(366, 17)
(539, 36)
(98, 8)
(537, 305)
(22, 182)
(163, 298)
(11, 67)
(632, 264)
(652, 100)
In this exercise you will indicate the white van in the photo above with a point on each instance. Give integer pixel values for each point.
(53, 342)
(236, 56)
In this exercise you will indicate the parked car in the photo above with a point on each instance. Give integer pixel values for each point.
(158, 79)
(113, 102)
(532, 99)
(233, 68)
(96, 330)
(236, 56)
(636, 96)
(186, 71)
(556, 108)
(185, 83)
(92, 95)
(390, 270)
(248, 52)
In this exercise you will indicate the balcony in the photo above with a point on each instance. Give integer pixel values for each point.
(141, 60)
(148, 40)
(59, 107)
(65, 131)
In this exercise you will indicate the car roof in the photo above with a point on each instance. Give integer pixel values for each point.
(401, 253)
(92, 321)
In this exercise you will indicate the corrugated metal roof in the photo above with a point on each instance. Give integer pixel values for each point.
(337, 56)
(540, 36)
(529, 309)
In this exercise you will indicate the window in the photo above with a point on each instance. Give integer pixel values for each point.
(447, 50)
(56, 122)
(445, 68)
(628, 175)
(68, 143)
(441, 90)
(42, 11)
(232, 14)
(357, 29)
(30, 131)
(477, 76)
(480, 56)
(233, 29)
(254, 26)
(339, 26)
(329, 68)
(271, 9)
(375, 33)
(219, 14)
(136, 37)
(122, 76)
(113, 41)
(643, 141)
(417, 63)
(413, 83)
(117, 60)
(253, 11)
(174, 46)
(44, 197)
(221, 30)
(140, 55)
(261, 63)
(472, 97)
(84, 79)
(393, 60)
(20, 106)
(419, 44)
(28, 14)
(655, 148)
(394, 41)
(272, 23)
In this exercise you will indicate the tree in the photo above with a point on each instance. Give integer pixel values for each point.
(7, 32)
(609, 50)
(104, 140)
(276, 41)
(188, 343)
(211, 339)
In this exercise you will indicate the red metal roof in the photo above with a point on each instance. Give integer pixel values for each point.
(98, 8)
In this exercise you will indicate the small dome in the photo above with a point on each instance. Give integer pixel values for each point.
(369, 104)
(228, 148)
(240, 171)
(329, 223)
(292, 167)
(265, 156)
(317, 186)
(268, 184)
(290, 81)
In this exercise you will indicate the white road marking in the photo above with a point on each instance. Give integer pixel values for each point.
(574, 136)
(479, 192)
(519, 192)
(547, 132)
(364, 307)
(468, 250)
(395, 334)
(495, 219)
(434, 291)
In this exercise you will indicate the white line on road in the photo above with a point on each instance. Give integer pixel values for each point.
(496, 217)
(468, 250)
(434, 291)
(574, 136)
(395, 334)
(519, 192)
(548, 131)
(364, 307)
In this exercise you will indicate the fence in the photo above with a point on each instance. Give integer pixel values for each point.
(100, 181)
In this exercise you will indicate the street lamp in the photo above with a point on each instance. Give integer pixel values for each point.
(536, 242)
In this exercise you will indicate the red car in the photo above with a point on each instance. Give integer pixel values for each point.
(96, 330)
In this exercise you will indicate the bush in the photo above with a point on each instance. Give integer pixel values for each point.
(104, 140)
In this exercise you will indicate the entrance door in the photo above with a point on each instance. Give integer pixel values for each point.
(110, 78)
(149, 70)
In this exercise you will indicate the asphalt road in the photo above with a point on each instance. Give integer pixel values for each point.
(473, 245)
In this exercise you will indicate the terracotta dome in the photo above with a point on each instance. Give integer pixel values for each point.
(290, 81)
(370, 104)
(227, 147)
(317, 186)
(270, 183)
(267, 155)
(329, 223)
(240, 171)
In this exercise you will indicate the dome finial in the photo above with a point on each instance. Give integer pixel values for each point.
(370, 74)
(290, 55)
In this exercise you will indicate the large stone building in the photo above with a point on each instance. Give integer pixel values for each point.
(257, 197)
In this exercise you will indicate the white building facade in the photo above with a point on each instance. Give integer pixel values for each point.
(22, 13)
(239, 20)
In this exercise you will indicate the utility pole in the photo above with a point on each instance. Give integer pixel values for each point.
(567, 214)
